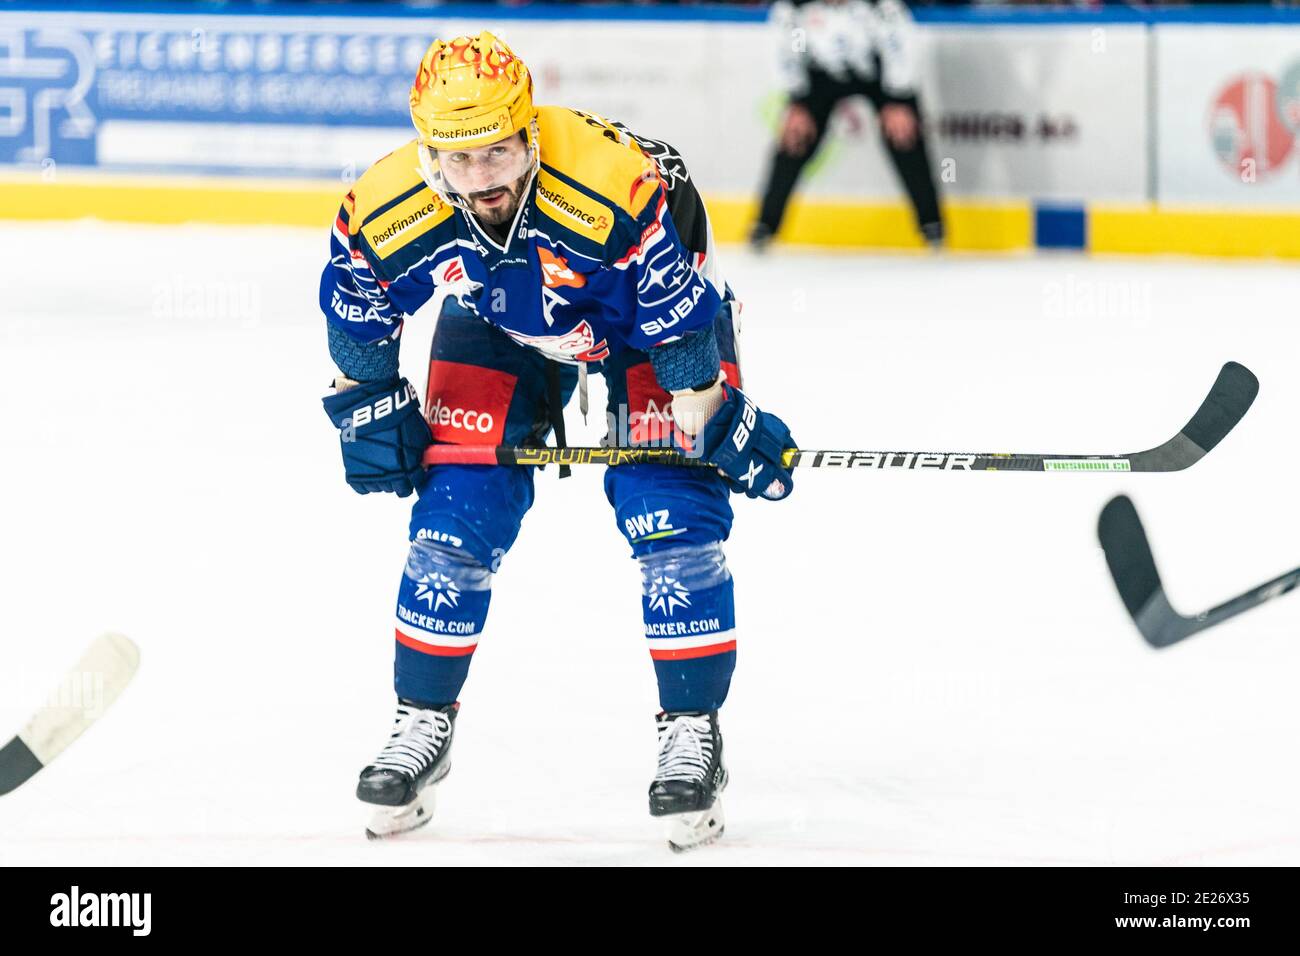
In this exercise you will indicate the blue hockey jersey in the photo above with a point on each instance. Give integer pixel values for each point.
(595, 262)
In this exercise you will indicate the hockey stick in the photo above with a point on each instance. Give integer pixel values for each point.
(1128, 553)
(1228, 401)
(84, 694)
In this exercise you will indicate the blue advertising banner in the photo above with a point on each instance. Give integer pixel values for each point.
(188, 92)
(263, 76)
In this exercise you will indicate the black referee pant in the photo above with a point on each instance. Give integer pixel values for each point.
(912, 165)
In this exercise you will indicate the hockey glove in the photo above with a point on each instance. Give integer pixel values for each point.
(383, 434)
(745, 443)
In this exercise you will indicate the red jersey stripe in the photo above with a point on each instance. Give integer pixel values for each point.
(685, 653)
(436, 650)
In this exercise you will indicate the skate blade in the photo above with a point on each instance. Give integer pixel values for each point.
(389, 822)
(689, 831)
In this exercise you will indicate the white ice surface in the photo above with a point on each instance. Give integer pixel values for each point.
(933, 668)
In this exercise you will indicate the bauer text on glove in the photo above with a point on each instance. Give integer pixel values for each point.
(746, 444)
(382, 433)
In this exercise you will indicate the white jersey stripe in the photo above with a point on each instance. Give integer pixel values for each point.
(438, 640)
(691, 640)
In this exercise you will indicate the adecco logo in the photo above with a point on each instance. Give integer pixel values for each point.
(465, 418)
(468, 404)
(1253, 123)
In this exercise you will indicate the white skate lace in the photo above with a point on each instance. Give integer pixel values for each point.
(417, 739)
(685, 748)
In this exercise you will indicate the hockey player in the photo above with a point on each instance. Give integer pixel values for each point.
(559, 242)
(832, 50)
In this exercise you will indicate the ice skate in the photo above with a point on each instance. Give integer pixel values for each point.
(760, 238)
(402, 779)
(691, 775)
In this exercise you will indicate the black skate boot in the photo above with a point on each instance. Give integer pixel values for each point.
(401, 778)
(691, 776)
(932, 233)
(760, 237)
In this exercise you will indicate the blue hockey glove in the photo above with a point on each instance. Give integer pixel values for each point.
(747, 444)
(383, 435)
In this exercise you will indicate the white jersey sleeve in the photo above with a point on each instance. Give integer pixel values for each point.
(894, 37)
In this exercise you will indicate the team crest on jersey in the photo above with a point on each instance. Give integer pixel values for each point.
(576, 345)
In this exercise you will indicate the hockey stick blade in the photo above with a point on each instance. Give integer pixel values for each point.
(85, 693)
(1133, 568)
(1229, 399)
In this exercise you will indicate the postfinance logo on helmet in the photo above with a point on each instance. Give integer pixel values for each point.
(471, 92)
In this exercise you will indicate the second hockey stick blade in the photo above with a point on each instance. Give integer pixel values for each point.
(1128, 554)
(85, 693)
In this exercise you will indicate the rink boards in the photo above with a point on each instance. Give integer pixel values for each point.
(1119, 132)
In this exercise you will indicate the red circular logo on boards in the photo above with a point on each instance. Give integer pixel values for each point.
(1246, 129)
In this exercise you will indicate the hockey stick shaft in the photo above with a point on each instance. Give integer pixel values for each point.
(1163, 626)
(792, 458)
(86, 691)
(1280, 585)
(1133, 568)
(1227, 402)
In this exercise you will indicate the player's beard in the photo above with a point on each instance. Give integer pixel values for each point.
(502, 210)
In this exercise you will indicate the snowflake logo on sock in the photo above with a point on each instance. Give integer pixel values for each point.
(436, 590)
(667, 594)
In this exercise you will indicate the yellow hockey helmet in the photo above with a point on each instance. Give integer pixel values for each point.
(471, 91)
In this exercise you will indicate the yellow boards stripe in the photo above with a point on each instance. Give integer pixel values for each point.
(170, 201)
